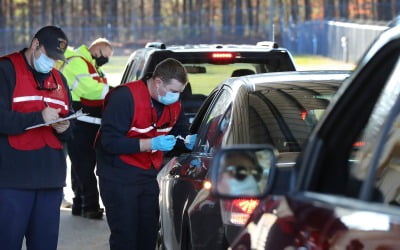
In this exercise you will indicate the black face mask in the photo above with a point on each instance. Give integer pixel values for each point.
(100, 61)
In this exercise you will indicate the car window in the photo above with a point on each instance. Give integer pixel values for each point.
(127, 76)
(385, 184)
(204, 77)
(326, 166)
(284, 116)
(134, 69)
(388, 170)
(214, 123)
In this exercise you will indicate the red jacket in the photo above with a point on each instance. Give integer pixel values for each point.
(146, 124)
(28, 98)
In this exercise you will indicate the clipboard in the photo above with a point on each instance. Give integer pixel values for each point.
(73, 116)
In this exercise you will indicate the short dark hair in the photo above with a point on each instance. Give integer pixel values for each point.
(169, 69)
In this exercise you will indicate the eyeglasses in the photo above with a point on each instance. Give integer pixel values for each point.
(49, 84)
(241, 172)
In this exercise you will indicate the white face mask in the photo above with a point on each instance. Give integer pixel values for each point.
(247, 186)
(43, 64)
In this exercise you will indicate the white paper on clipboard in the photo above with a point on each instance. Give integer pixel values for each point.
(73, 116)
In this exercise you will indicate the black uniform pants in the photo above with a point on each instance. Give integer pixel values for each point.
(132, 213)
(83, 162)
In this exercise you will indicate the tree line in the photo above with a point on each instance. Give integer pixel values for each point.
(134, 22)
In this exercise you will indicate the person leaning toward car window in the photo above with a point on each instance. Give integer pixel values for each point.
(32, 162)
(88, 87)
(140, 122)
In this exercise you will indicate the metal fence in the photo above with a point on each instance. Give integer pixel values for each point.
(337, 40)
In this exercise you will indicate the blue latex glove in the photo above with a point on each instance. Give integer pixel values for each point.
(190, 140)
(163, 142)
(195, 162)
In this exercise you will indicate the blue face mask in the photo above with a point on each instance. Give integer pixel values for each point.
(247, 186)
(169, 98)
(43, 64)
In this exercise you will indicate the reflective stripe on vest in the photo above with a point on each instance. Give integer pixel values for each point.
(148, 129)
(79, 77)
(47, 100)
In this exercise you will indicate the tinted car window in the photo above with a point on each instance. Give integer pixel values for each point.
(388, 171)
(365, 146)
(213, 130)
(285, 115)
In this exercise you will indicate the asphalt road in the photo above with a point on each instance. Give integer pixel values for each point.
(78, 233)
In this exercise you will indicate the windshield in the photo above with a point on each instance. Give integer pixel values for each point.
(204, 78)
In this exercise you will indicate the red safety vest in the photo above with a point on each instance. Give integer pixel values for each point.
(146, 124)
(28, 98)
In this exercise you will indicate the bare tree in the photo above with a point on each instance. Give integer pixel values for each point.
(61, 12)
(294, 10)
(249, 12)
(2, 13)
(384, 11)
(344, 9)
(114, 20)
(11, 11)
(226, 18)
(157, 18)
(307, 14)
(238, 18)
(329, 9)
(257, 16)
(44, 5)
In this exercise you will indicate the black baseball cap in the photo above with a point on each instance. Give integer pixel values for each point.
(54, 41)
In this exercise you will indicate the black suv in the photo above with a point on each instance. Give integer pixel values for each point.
(208, 65)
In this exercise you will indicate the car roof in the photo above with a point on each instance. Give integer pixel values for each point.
(161, 48)
(275, 78)
(260, 46)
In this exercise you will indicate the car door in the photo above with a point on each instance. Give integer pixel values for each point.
(182, 178)
(346, 197)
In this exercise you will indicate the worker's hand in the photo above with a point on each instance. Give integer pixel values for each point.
(50, 114)
(190, 140)
(163, 142)
(60, 127)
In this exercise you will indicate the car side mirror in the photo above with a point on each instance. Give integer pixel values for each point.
(243, 171)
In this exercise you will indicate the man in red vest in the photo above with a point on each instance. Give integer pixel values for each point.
(140, 122)
(32, 161)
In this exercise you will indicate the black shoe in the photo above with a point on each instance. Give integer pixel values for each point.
(93, 214)
(76, 210)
